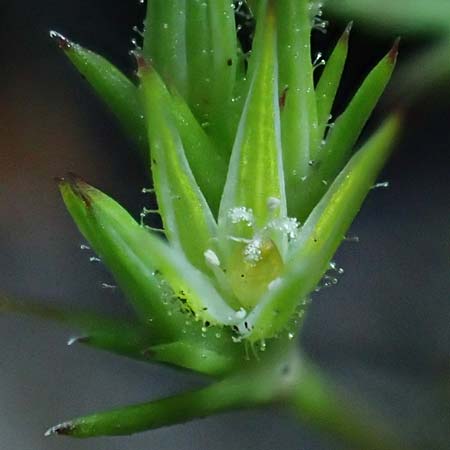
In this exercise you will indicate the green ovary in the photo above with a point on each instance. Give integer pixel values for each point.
(252, 268)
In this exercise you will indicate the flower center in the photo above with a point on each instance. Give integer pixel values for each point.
(252, 267)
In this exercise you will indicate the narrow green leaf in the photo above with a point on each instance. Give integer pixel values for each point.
(242, 391)
(211, 352)
(154, 276)
(211, 48)
(116, 336)
(321, 234)
(299, 124)
(112, 86)
(193, 356)
(251, 251)
(344, 134)
(318, 400)
(255, 173)
(182, 205)
(208, 166)
(165, 41)
(425, 72)
(414, 17)
(330, 80)
(105, 225)
(350, 123)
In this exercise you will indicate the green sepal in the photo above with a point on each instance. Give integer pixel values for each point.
(116, 90)
(208, 351)
(165, 41)
(207, 164)
(419, 17)
(193, 356)
(255, 173)
(330, 79)
(155, 277)
(297, 97)
(350, 123)
(182, 205)
(321, 235)
(107, 226)
(242, 390)
(156, 414)
(344, 134)
(421, 74)
(116, 336)
(211, 49)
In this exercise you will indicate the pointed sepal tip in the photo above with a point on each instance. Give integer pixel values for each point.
(61, 41)
(62, 429)
(393, 52)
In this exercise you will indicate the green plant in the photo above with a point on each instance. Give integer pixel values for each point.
(428, 20)
(255, 190)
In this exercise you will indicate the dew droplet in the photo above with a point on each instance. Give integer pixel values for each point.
(354, 239)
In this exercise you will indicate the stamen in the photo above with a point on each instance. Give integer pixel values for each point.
(241, 214)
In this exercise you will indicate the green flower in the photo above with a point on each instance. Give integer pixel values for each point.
(255, 187)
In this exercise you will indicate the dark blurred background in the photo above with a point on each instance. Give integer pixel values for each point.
(383, 332)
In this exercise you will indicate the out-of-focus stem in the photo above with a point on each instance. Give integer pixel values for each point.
(319, 402)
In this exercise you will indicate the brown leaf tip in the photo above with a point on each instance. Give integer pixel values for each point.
(63, 429)
(62, 42)
(148, 353)
(142, 63)
(72, 179)
(78, 185)
(76, 180)
(59, 180)
(393, 52)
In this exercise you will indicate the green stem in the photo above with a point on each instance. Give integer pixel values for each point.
(285, 378)
(321, 403)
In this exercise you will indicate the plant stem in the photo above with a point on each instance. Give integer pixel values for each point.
(320, 402)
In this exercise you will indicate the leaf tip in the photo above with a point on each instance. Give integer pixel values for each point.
(77, 340)
(59, 180)
(142, 63)
(393, 52)
(148, 353)
(346, 33)
(399, 114)
(77, 185)
(62, 429)
(61, 41)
